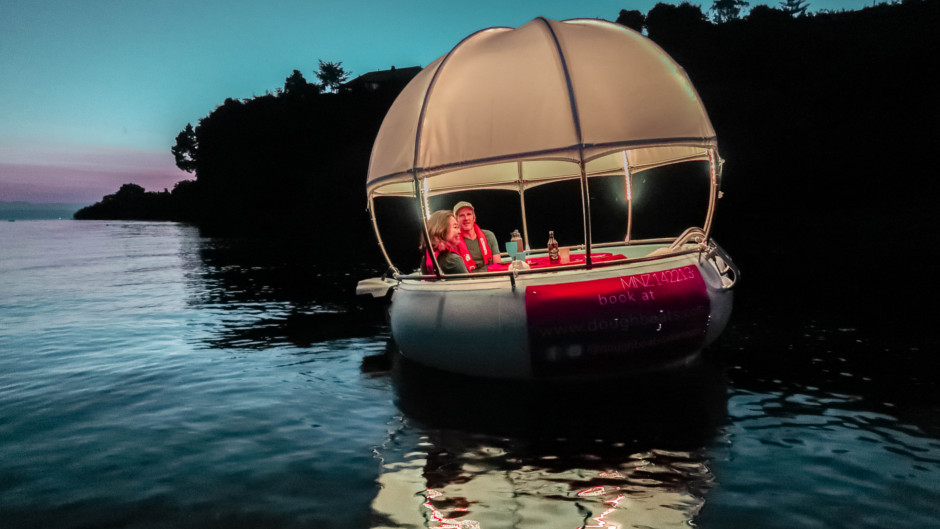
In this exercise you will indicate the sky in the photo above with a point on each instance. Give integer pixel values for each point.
(94, 92)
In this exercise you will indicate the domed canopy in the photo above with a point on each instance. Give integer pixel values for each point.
(513, 108)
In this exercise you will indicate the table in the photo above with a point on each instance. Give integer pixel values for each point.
(542, 262)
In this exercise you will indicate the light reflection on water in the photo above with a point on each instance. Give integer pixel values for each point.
(628, 495)
(628, 451)
(151, 376)
(654, 451)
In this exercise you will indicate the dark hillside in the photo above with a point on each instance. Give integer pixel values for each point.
(823, 120)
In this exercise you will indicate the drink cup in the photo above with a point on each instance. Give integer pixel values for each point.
(511, 249)
(564, 253)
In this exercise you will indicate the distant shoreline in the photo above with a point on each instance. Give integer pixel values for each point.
(37, 211)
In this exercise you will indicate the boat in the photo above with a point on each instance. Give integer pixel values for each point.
(576, 122)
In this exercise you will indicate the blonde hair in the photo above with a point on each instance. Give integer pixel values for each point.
(438, 226)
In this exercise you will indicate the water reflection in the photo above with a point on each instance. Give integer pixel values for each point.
(622, 452)
(260, 292)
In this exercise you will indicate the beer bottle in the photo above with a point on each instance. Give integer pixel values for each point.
(553, 256)
(517, 238)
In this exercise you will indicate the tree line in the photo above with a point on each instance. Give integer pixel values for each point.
(812, 110)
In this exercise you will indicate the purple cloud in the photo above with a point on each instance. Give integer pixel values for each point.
(86, 176)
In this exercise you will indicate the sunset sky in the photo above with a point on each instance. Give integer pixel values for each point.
(94, 92)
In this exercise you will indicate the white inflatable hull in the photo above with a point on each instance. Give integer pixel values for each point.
(619, 318)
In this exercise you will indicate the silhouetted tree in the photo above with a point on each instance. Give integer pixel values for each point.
(297, 85)
(185, 201)
(127, 192)
(675, 26)
(667, 19)
(762, 16)
(727, 10)
(633, 19)
(294, 82)
(795, 8)
(331, 75)
(131, 202)
(185, 149)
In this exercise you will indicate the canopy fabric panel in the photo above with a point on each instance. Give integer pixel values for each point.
(513, 108)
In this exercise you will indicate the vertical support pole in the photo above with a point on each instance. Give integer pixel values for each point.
(425, 214)
(425, 201)
(525, 225)
(628, 187)
(586, 210)
(378, 236)
(713, 189)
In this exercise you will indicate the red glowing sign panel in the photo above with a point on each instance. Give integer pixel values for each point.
(631, 321)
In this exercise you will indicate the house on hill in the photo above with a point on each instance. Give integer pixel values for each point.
(381, 79)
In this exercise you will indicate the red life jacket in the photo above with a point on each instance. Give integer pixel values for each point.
(461, 251)
(484, 246)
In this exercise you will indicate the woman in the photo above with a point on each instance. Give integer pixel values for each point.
(449, 248)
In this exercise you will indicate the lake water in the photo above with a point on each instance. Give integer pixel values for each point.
(153, 376)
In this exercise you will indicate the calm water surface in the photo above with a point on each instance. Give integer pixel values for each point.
(153, 376)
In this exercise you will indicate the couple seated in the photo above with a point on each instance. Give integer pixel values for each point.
(458, 243)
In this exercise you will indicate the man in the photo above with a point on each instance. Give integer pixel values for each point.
(480, 243)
